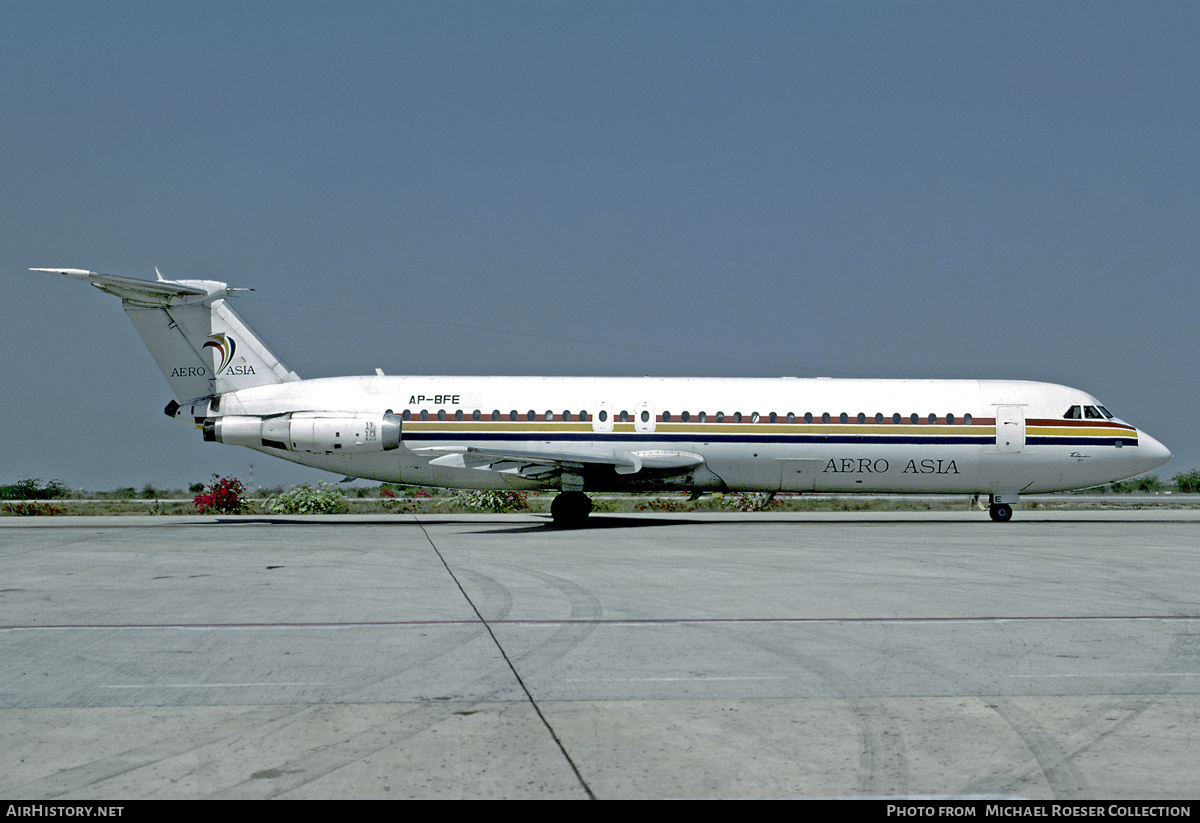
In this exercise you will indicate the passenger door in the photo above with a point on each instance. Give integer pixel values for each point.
(1010, 429)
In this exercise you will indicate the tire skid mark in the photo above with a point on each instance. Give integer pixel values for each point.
(1056, 762)
(883, 764)
(1058, 756)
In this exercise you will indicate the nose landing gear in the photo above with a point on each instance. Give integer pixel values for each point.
(1000, 507)
(1000, 512)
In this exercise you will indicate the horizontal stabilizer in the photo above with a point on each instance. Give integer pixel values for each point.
(146, 292)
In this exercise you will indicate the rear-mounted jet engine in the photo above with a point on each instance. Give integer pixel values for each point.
(309, 432)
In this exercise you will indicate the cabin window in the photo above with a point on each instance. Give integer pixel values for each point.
(773, 417)
(531, 415)
(477, 415)
(441, 415)
(862, 418)
(932, 419)
(406, 415)
(512, 415)
(645, 416)
(666, 417)
(949, 419)
(825, 417)
(424, 414)
(624, 416)
(878, 417)
(1074, 413)
(549, 415)
(896, 417)
(915, 418)
(967, 419)
(720, 417)
(603, 416)
(702, 417)
(737, 417)
(685, 417)
(754, 417)
(458, 415)
(566, 415)
(583, 415)
(791, 418)
(495, 414)
(842, 418)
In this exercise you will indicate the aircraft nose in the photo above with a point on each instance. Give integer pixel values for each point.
(1151, 453)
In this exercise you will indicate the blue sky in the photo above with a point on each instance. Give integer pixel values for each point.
(999, 190)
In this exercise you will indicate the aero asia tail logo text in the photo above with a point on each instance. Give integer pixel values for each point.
(225, 347)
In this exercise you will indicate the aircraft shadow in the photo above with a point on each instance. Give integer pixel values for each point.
(603, 521)
(510, 524)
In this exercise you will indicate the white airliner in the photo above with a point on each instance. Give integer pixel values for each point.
(1001, 438)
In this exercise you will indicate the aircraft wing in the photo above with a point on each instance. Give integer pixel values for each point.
(533, 462)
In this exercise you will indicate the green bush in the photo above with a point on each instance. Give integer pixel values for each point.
(661, 504)
(750, 502)
(304, 499)
(1138, 485)
(1187, 482)
(29, 489)
(489, 500)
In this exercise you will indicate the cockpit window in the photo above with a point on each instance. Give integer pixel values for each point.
(1074, 413)
(1105, 412)
(1092, 413)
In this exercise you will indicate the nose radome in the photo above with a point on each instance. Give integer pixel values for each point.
(1151, 453)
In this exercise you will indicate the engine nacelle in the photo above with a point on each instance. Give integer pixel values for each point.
(310, 432)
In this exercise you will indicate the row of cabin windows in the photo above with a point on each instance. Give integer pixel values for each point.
(790, 417)
(700, 417)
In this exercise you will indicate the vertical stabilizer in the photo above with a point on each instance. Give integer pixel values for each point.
(201, 344)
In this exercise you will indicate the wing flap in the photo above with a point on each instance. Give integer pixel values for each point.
(533, 461)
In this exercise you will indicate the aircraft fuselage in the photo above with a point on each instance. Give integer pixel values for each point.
(762, 435)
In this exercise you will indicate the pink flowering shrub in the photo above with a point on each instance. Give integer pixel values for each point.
(223, 496)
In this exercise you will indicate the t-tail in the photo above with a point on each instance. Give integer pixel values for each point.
(201, 344)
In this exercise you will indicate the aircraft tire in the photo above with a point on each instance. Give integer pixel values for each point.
(570, 508)
(1000, 512)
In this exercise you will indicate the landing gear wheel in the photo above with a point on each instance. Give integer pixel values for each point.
(1000, 512)
(570, 508)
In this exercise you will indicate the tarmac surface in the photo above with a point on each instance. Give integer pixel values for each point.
(909, 654)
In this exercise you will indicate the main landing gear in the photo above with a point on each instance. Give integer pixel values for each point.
(570, 508)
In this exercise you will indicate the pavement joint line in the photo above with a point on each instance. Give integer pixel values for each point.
(667, 621)
(545, 722)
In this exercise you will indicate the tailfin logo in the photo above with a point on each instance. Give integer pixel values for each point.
(225, 348)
